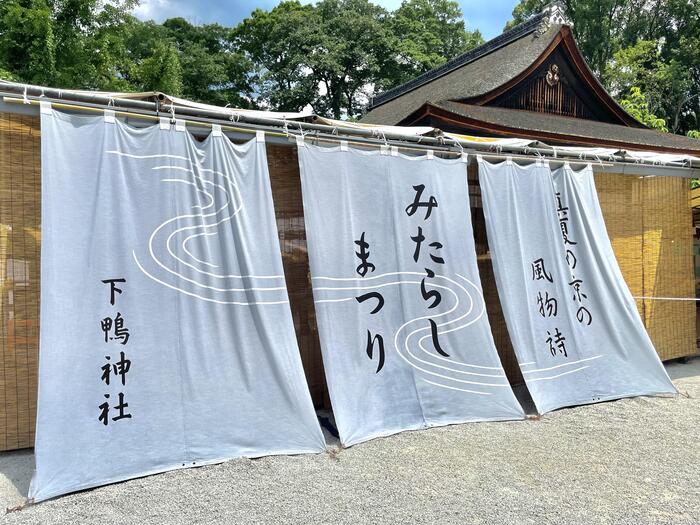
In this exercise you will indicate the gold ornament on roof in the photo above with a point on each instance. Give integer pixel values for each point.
(552, 77)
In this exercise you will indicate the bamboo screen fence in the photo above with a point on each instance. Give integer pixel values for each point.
(650, 224)
(20, 208)
(649, 221)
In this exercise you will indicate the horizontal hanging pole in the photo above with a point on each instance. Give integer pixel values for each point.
(239, 122)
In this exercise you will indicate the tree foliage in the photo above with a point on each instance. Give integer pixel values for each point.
(426, 33)
(636, 105)
(278, 43)
(333, 55)
(213, 69)
(336, 54)
(62, 42)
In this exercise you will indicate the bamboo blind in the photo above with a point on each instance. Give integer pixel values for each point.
(20, 207)
(286, 193)
(649, 222)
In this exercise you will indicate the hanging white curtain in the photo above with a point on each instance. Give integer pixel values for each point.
(166, 334)
(404, 334)
(574, 325)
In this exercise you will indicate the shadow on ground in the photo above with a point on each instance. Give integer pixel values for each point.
(682, 368)
(16, 469)
(16, 466)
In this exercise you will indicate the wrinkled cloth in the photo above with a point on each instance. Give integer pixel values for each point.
(382, 269)
(197, 340)
(575, 328)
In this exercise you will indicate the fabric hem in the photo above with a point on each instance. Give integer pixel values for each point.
(613, 397)
(37, 498)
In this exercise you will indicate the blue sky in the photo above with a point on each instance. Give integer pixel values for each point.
(487, 15)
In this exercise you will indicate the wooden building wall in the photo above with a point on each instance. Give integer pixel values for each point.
(649, 221)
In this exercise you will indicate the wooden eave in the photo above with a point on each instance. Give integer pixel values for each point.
(445, 119)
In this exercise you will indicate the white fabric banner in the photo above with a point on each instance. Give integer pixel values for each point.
(404, 334)
(574, 325)
(166, 334)
(493, 142)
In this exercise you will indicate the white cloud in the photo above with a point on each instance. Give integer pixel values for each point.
(489, 16)
(152, 9)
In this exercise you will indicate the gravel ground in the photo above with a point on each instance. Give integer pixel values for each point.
(633, 461)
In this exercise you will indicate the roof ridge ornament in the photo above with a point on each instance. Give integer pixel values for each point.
(553, 13)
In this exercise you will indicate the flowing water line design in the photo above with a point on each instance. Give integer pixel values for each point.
(429, 367)
(430, 371)
(559, 366)
(558, 375)
(233, 204)
(207, 224)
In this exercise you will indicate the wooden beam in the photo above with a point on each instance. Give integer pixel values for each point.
(469, 124)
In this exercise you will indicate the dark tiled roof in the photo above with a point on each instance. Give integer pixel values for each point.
(469, 75)
(529, 124)
(501, 40)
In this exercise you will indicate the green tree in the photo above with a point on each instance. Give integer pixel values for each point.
(27, 42)
(352, 51)
(64, 43)
(6, 75)
(681, 39)
(93, 44)
(336, 54)
(162, 70)
(279, 43)
(637, 105)
(213, 70)
(426, 34)
(328, 55)
(665, 83)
